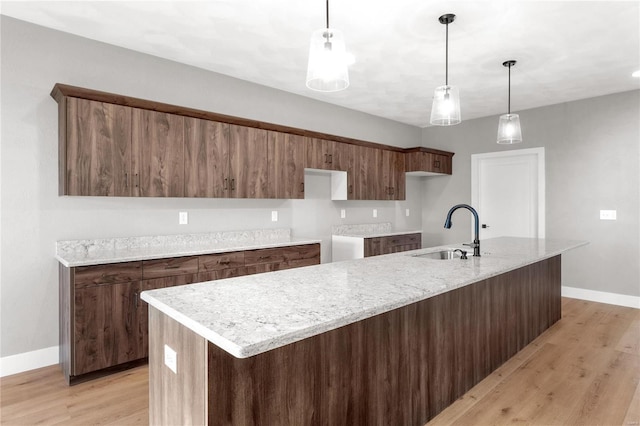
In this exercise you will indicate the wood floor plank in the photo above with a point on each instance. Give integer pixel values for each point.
(633, 413)
(584, 373)
(584, 370)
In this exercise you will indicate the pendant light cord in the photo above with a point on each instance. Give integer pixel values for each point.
(509, 97)
(446, 56)
(327, 14)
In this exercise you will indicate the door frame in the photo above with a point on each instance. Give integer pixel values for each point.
(539, 153)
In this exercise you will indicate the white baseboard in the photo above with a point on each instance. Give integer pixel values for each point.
(602, 297)
(26, 361)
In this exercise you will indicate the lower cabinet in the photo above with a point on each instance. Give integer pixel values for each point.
(392, 244)
(103, 321)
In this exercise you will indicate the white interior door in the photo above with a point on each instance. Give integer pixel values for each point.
(508, 191)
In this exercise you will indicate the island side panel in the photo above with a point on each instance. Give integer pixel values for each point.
(400, 367)
(176, 398)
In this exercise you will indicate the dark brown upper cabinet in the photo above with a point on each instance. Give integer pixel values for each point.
(113, 145)
(286, 155)
(95, 150)
(392, 182)
(206, 158)
(327, 155)
(224, 160)
(426, 162)
(158, 154)
(248, 162)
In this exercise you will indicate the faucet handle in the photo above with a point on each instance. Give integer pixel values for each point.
(472, 245)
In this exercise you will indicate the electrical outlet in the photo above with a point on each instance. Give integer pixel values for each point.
(183, 218)
(406, 212)
(608, 215)
(343, 213)
(171, 359)
(274, 216)
(375, 212)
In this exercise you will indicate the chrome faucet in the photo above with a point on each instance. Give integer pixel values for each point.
(476, 242)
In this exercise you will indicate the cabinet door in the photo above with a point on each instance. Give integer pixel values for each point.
(392, 180)
(248, 163)
(142, 332)
(106, 330)
(366, 180)
(326, 155)
(206, 158)
(98, 149)
(286, 165)
(158, 154)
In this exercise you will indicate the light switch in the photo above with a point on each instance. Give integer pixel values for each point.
(375, 212)
(183, 218)
(343, 213)
(608, 214)
(274, 216)
(171, 359)
(406, 212)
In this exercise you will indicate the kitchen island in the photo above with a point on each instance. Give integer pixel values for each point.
(391, 339)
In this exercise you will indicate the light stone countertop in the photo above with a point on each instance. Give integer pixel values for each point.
(249, 315)
(73, 253)
(369, 230)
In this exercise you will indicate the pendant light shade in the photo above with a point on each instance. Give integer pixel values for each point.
(327, 70)
(509, 131)
(445, 110)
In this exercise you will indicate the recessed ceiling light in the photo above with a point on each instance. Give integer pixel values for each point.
(636, 74)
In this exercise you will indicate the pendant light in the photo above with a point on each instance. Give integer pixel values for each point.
(327, 69)
(509, 125)
(446, 99)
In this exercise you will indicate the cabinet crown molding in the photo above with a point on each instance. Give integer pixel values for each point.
(61, 90)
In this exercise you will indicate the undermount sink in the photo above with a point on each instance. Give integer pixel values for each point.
(441, 255)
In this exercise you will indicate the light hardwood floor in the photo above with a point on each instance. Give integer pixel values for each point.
(585, 370)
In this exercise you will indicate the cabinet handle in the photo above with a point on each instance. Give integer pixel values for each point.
(225, 186)
(137, 297)
(351, 189)
(436, 164)
(224, 262)
(330, 158)
(126, 180)
(233, 184)
(302, 187)
(326, 158)
(172, 267)
(137, 180)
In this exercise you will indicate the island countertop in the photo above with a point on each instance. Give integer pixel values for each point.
(249, 315)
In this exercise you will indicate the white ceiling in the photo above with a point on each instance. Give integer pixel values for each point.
(566, 50)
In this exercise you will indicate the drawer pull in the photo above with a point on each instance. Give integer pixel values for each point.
(172, 267)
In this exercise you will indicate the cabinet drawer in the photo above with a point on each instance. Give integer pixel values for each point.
(262, 256)
(169, 267)
(221, 274)
(217, 262)
(87, 276)
(297, 256)
(399, 240)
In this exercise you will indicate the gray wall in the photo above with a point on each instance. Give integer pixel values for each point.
(592, 150)
(33, 217)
